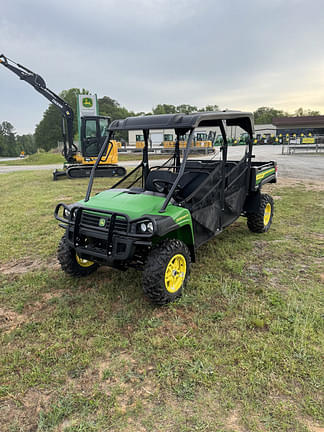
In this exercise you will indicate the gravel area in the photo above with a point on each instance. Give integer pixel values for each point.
(300, 166)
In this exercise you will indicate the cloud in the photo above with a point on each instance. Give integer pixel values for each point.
(231, 53)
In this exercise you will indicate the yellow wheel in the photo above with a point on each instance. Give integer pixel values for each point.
(175, 273)
(71, 263)
(260, 220)
(267, 214)
(166, 271)
(83, 262)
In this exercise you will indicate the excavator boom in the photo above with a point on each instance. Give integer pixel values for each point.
(39, 85)
(77, 166)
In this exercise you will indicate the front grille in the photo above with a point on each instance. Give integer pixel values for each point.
(92, 220)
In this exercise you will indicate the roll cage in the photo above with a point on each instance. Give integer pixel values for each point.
(182, 124)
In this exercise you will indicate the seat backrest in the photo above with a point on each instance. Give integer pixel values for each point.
(190, 181)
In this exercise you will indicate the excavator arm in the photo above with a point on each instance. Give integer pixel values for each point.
(39, 85)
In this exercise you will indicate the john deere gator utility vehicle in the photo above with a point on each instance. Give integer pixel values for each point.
(94, 131)
(155, 218)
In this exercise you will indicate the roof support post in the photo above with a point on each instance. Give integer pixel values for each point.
(102, 150)
(224, 158)
(177, 150)
(180, 174)
(146, 168)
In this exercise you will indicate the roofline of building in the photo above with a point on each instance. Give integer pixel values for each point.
(301, 120)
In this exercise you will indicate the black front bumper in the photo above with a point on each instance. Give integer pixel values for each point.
(102, 236)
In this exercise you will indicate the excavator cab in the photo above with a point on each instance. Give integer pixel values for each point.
(93, 133)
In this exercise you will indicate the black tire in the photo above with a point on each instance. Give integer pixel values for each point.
(166, 254)
(260, 221)
(68, 260)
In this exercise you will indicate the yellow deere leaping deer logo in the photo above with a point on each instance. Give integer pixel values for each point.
(87, 102)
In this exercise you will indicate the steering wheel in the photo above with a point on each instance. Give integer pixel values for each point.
(164, 186)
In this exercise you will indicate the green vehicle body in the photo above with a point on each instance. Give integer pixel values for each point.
(144, 207)
(155, 218)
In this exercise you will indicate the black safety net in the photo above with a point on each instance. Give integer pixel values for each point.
(236, 186)
(215, 203)
(204, 203)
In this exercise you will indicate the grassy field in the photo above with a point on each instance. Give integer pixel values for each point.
(55, 158)
(241, 351)
(36, 159)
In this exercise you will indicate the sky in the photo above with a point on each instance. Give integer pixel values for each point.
(232, 53)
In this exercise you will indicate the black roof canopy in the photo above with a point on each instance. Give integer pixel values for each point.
(186, 121)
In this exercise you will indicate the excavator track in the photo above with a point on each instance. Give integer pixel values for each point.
(84, 171)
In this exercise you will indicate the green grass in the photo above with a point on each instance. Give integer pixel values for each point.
(37, 159)
(55, 158)
(241, 351)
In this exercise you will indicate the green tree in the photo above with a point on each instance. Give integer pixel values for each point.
(111, 108)
(210, 108)
(301, 112)
(26, 143)
(185, 108)
(264, 115)
(164, 109)
(8, 144)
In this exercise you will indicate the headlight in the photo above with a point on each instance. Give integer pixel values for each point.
(66, 213)
(143, 227)
(146, 227)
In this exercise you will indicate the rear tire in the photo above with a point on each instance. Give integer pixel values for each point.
(71, 263)
(166, 271)
(260, 221)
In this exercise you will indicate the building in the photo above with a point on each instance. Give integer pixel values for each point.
(299, 125)
(264, 131)
(158, 136)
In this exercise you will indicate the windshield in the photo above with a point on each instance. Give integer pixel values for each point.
(168, 137)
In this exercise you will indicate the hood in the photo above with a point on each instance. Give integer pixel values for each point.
(134, 205)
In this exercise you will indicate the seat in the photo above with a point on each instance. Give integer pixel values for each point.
(189, 181)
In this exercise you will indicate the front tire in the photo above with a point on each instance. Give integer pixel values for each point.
(71, 263)
(166, 271)
(260, 221)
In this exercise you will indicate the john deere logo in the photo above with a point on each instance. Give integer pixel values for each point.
(102, 222)
(87, 102)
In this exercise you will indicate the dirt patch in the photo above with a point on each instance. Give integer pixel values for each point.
(64, 198)
(27, 265)
(313, 185)
(49, 296)
(313, 427)
(9, 319)
(232, 422)
(23, 410)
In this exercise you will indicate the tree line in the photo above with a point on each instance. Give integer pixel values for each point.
(12, 144)
(48, 131)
